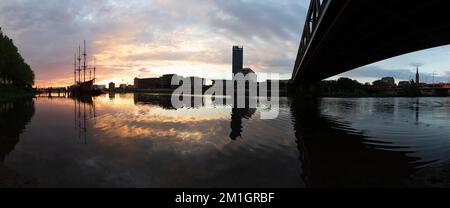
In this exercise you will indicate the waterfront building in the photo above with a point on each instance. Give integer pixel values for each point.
(238, 59)
(163, 82)
(389, 81)
(147, 83)
(404, 84)
(246, 71)
(100, 87)
(112, 86)
(166, 81)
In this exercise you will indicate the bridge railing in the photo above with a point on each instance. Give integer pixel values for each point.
(315, 11)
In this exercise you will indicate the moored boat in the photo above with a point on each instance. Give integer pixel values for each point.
(83, 87)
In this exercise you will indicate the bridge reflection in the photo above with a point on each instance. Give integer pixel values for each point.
(335, 155)
(343, 35)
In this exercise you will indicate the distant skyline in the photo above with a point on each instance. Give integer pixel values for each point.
(148, 38)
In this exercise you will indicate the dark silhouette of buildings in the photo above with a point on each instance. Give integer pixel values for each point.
(111, 86)
(147, 83)
(390, 81)
(163, 82)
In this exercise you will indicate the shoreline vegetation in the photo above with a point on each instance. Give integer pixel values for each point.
(13, 94)
(346, 87)
(16, 76)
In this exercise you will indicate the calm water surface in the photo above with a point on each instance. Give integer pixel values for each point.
(139, 140)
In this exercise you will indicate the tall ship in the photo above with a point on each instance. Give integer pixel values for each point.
(83, 86)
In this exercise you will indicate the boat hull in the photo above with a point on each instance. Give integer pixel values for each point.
(84, 88)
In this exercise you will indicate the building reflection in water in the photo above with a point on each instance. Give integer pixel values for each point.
(161, 100)
(164, 101)
(112, 96)
(335, 155)
(237, 115)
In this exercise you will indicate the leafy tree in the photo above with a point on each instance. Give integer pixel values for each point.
(410, 90)
(341, 85)
(14, 70)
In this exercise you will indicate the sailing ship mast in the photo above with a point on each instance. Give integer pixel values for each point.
(84, 62)
(94, 69)
(75, 70)
(84, 86)
(82, 66)
(79, 64)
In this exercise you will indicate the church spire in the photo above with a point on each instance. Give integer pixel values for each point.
(417, 76)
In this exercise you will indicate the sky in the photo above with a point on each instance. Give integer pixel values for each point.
(148, 38)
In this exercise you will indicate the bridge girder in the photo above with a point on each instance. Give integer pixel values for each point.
(340, 35)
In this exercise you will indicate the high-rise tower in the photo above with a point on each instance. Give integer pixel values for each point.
(238, 59)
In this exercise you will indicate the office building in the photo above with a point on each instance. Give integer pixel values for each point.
(163, 82)
(238, 59)
(112, 86)
(388, 81)
(147, 83)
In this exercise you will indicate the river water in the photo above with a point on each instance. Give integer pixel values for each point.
(139, 140)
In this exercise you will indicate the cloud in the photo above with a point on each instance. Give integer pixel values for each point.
(376, 72)
(128, 35)
(416, 64)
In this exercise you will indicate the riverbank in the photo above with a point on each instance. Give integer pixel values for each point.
(282, 93)
(12, 179)
(373, 96)
(11, 94)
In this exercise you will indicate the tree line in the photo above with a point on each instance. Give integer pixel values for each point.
(14, 71)
(347, 86)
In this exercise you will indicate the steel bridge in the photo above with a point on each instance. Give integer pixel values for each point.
(341, 35)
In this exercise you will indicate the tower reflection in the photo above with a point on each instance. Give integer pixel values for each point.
(237, 114)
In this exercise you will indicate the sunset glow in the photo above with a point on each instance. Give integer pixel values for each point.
(150, 38)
